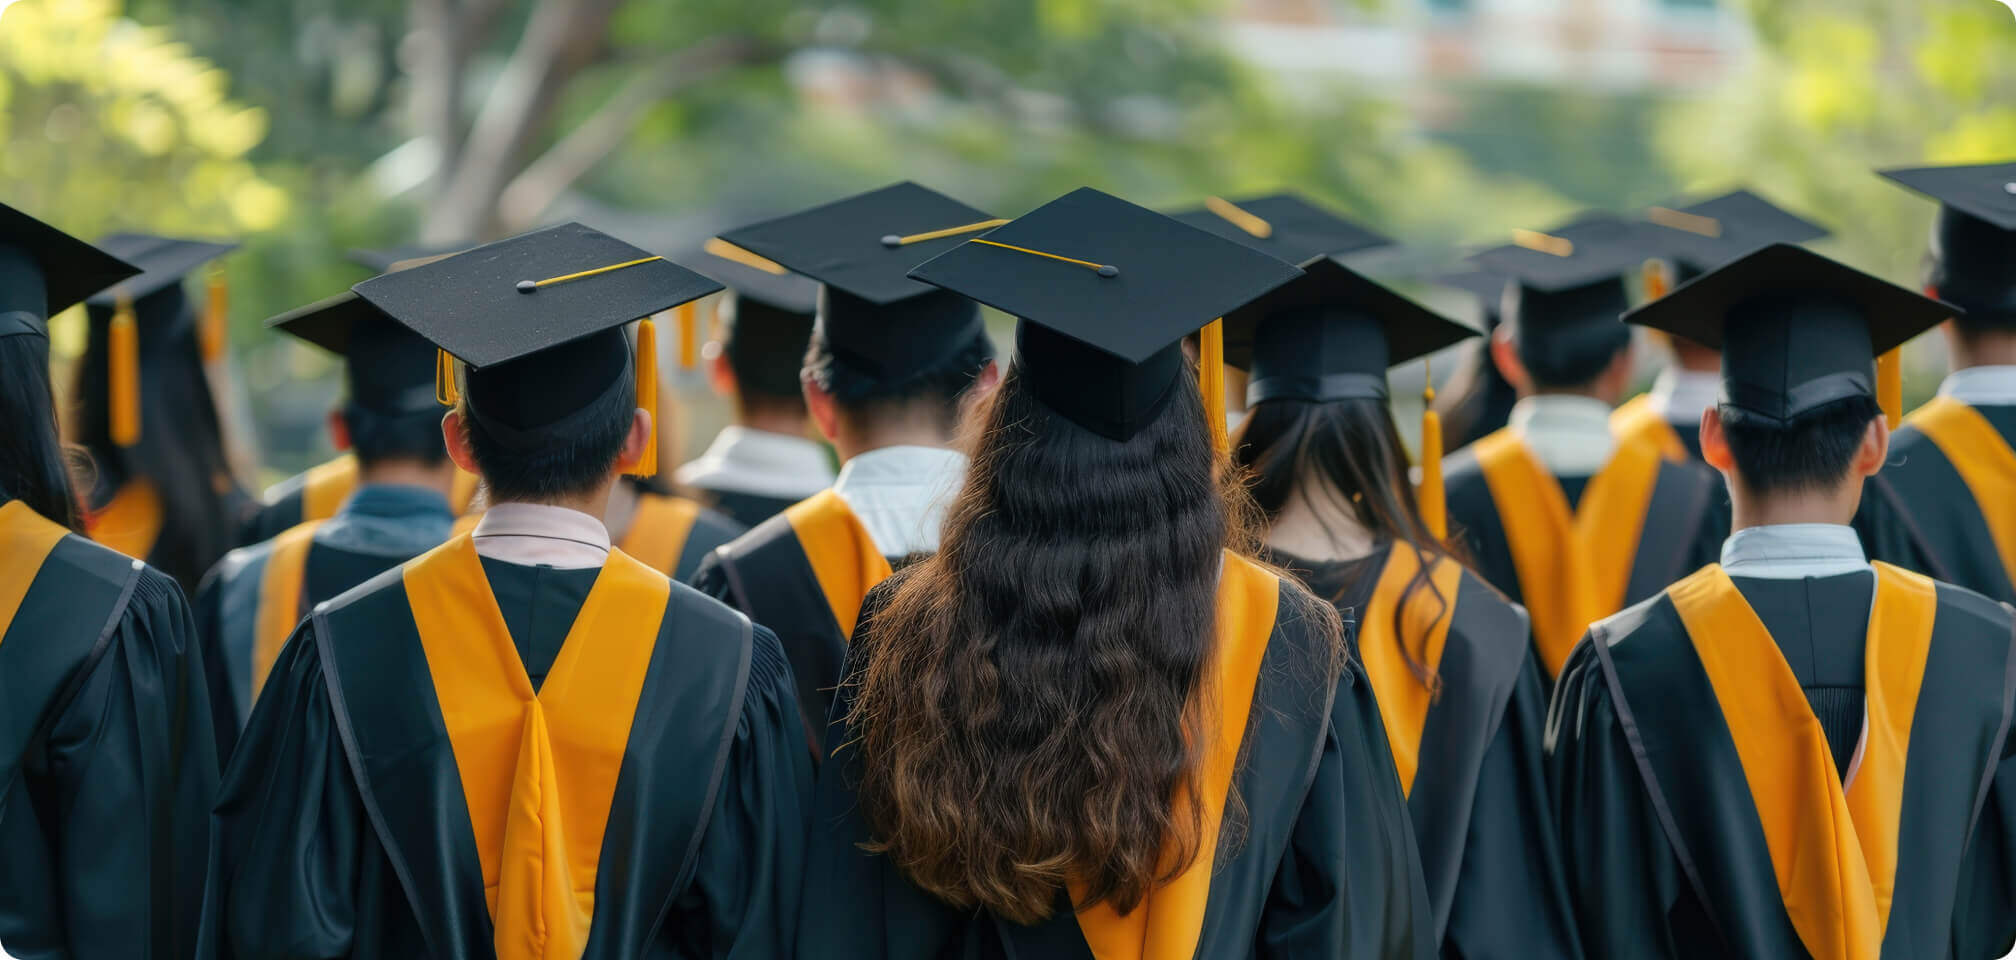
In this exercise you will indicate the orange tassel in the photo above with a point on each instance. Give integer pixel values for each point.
(124, 371)
(445, 391)
(1434, 507)
(1211, 382)
(689, 335)
(1890, 386)
(216, 318)
(1657, 282)
(647, 393)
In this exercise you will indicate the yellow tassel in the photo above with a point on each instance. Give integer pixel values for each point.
(689, 335)
(1890, 386)
(647, 393)
(124, 370)
(445, 391)
(216, 317)
(1657, 282)
(1211, 382)
(1434, 509)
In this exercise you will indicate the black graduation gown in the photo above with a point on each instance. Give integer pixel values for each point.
(107, 766)
(747, 509)
(342, 829)
(1477, 791)
(1920, 514)
(1667, 850)
(1327, 868)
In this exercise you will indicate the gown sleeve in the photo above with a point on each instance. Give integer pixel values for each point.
(1984, 923)
(1350, 883)
(1887, 535)
(289, 827)
(709, 578)
(1512, 889)
(102, 836)
(208, 611)
(743, 900)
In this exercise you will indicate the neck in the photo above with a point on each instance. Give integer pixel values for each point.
(772, 421)
(854, 439)
(594, 503)
(1835, 506)
(408, 473)
(1319, 526)
(1590, 392)
(1986, 349)
(620, 509)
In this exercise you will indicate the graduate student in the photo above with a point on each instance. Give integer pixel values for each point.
(1089, 725)
(162, 490)
(251, 602)
(107, 767)
(1792, 753)
(890, 365)
(522, 743)
(765, 460)
(1457, 684)
(1554, 510)
(1945, 503)
(1696, 238)
(1476, 400)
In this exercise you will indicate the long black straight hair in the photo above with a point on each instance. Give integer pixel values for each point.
(34, 468)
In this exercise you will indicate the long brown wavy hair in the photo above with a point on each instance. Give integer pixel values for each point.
(1023, 704)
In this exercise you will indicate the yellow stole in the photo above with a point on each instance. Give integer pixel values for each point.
(279, 610)
(1574, 566)
(1834, 850)
(26, 540)
(658, 530)
(1637, 421)
(131, 522)
(1169, 923)
(843, 556)
(1983, 460)
(325, 487)
(1403, 699)
(538, 770)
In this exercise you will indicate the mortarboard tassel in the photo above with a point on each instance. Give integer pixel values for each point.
(1657, 283)
(1434, 508)
(123, 362)
(216, 317)
(1890, 386)
(445, 392)
(647, 392)
(1211, 382)
(689, 335)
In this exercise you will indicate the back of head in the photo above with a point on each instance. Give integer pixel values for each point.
(1051, 650)
(391, 412)
(539, 438)
(1812, 452)
(763, 345)
(1345, 452)
(1968, 263)
(895, 385)
(33, 467)
(1566, 339)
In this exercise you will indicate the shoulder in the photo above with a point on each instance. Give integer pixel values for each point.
(287, 489)
(762, 540)
(369, 601)
(1688, 474)
(1959, 606)
(1463, 465)
(236, 565)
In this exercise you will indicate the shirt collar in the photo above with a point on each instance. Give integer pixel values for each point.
(396, 501)
(1680, 394)
(901, 493)
(1989, 386)
(537, 534)
(1793, 551)
(1570, 434)
(747, 460)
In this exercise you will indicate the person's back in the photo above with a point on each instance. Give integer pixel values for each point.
(522, 741)
(1791, 752)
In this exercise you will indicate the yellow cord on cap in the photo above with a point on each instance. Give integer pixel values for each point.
(530, 285)
(1105, 270)
(123, 360)
(1231, 213)
(688, 315)
(216, 317)
(1890, 386)
(1544, 243)
(1690, 222)
(1430, 496)
(941, 234)
(647, 393)
(1211, 382)
(734, 254)
(445, 391)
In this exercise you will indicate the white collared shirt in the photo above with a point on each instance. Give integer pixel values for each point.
(901, 494)
(537, 534)
(1570, 434)
(758, 462)
(1680, 394)
(1793, 551)
(1989, 386)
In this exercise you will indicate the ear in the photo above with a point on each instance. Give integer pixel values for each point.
(1505, 357)
(825, 412)
(984, 385)
(1874, 449)
(1715, 443)
(635, 441)
(339, 431)
(720, 376)
(455, 434)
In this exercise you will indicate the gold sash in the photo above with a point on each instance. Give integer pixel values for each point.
(1573, 567)
(1169, 923)
(131, 522)
(1637, 421)
(658, 530)
(325, 487)
(1403, 699)
(1983, 460)
(1834, 851)
(538, 770)
(26, 540)
(279, 609)
(844, 558)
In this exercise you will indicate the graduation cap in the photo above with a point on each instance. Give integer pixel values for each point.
(766, 318)
(1105, 292)
(382, 261)
(45, 271)
(389, 368)
(873, 317)
(1566, 285)
(1488, 288)
(1283, 225)
(1797, 330)
(1700, 236)
(537, 320)
(154, 305)
(1972, 257)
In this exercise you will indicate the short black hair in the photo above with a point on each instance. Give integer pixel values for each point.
(939, 386)
(1813, 452)
(763, 346)
(565, 468)
(377, 437)
(1569, 358)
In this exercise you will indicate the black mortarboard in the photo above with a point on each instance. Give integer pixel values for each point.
(765, 319)
(163, 262)
(1331, 335)
(1972, 257)
(44, 271)
(1569, 279)
(1284, 226)
(556, 299)
(1797, 330)
(1105, 292)
(389, 368)
(1488, 288)
(861, 250)
(382, 261)
(754, 279)
(1703, 235)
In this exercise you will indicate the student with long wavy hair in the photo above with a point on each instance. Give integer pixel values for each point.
(1448, 657)
(1091, 724)
(107, 767)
